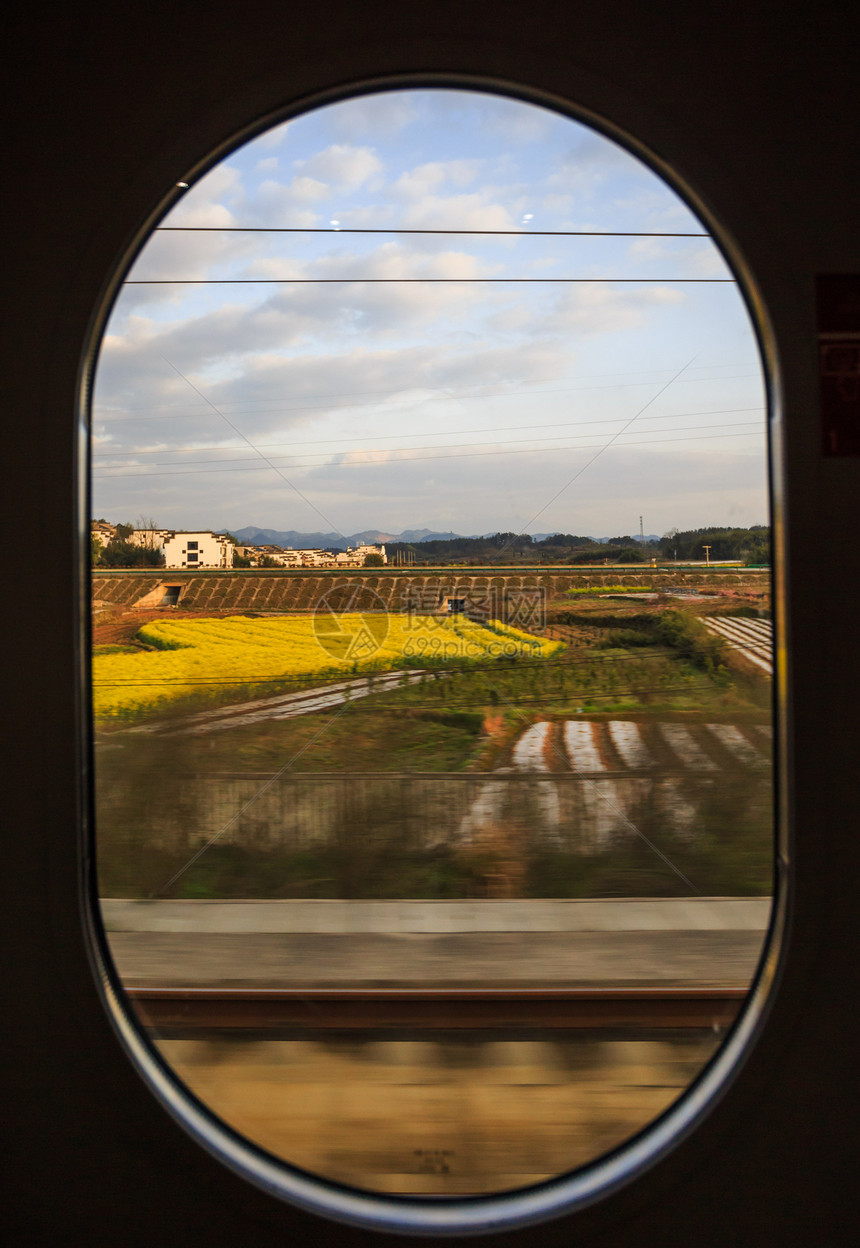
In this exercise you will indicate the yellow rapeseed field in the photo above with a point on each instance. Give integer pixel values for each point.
(204, 659)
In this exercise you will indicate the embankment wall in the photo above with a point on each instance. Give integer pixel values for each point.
(395, 589)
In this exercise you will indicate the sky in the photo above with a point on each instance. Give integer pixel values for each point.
(288, 390)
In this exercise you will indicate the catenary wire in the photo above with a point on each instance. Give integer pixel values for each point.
(442, 397)
(533, 381)
(562, 424)
(265, 460)
(107, 473)
(298, 229)
(410, 450)
(614, 439)
(382, 281)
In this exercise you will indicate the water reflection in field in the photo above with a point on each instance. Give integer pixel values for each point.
(575, 809)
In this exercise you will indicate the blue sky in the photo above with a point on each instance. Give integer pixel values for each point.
(348, 404)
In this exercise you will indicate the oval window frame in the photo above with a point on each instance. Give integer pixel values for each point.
(599, 1179)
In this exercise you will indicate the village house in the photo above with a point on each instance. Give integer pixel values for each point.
(205, 549)
(183, 549)
(290, 558)
(355, 556)
(102, 532)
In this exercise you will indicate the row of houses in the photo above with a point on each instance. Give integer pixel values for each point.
(205, 549)
(353, 557)
(202, 549)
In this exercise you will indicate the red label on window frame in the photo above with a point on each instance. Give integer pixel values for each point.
(838, 308)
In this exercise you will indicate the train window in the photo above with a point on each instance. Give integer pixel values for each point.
(432, 702)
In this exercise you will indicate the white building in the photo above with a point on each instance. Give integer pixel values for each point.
(202, 549)
(352, 558)
(102, 532)
(205, 549)
(355, 556)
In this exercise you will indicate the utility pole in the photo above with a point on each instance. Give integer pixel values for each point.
(707, 551)
(641, 534)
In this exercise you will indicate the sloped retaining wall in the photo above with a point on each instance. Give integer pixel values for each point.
(394, 589)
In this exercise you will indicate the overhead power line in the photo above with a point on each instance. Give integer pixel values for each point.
(398, 437)
(107, 473)
(355, 281)
(394, 229)
(249, 443)
(457, 448)
(443, 397)
(614, 438)
(448, 392)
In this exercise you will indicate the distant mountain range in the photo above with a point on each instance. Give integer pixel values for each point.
(308, 541)
(252, 536)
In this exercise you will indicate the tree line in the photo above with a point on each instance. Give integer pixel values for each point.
(122, 553)
(750, 546)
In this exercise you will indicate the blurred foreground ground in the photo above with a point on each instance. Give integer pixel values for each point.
(359, 944)
(463, 1114)
(438, 1110)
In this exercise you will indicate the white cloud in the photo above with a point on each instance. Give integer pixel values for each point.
(512, 319)
(351, 367)
(381, 115)
(707, 261)
(558, 205)
(485, 491)
(688, 257)
(651, 205)
(587, 164)
(211, 204)
(458, 212)
(189, 255)
(342, 165)
(274, 137)
(303, 189)
(649, 249)
(290, 203)
(206, 203)
(424, 179)
(519, 124)
(604, 309)
(470, 493)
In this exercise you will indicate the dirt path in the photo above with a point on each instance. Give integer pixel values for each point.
(281, 706)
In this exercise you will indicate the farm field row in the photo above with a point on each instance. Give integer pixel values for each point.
(577, 808)
(753, 638)
(588, 747)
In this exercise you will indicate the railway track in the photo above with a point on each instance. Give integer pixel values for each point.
(272, 1009)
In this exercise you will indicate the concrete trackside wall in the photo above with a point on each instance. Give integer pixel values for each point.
(398, 589)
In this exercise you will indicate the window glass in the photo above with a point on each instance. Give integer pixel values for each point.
(434, 806)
